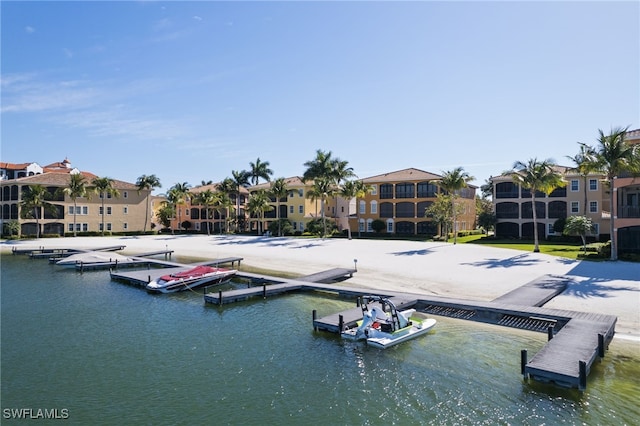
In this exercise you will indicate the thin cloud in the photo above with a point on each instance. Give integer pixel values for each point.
(29, 29)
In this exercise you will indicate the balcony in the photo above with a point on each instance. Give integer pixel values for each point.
(629, 212)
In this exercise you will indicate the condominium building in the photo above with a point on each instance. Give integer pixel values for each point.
(401, 198)
(124, 213)
(583, 195)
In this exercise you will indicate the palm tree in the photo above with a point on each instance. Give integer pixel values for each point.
(103, 186)
(320, 167)
(584, 163)
(258, 204)
(259, 170)
(240, 179)
(207, 199)
(177, 195)
(226, 188)
(322, 189)
(614, 156)
(536, 176)
(279, 190)
(76, 188)
(453, 181)
(355, 189)
(34, 199)
(147, 183)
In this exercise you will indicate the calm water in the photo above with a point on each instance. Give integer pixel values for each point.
(109, 353)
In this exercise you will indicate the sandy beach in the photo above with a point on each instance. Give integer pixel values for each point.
(464, 270)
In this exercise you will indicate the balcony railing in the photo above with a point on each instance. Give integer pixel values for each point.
(629, 212)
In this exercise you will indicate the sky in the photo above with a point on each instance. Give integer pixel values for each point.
(191, 91)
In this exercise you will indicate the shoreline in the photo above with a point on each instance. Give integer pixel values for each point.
(464, 270)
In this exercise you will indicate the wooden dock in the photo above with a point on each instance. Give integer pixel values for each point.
(283, 285)
(576, 339)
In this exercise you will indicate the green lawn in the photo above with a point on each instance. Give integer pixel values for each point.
(569, 251)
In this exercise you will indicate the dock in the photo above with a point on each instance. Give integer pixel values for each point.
(271, 286)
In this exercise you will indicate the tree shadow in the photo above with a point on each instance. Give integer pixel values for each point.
(519, 260)
(416, 252)
(595, 287)
(607, 271)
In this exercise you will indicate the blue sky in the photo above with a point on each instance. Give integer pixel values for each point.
(190, 91)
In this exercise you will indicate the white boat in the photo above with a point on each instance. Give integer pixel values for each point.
(193, 278)
(89, 258)
(383, 329)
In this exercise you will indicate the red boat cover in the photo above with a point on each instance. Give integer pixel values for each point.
(191, 273)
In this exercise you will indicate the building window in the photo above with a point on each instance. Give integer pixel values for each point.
(70, 227)
(108, 210)
(593, 184)
(125, 226)
(362, 207)
(386, 191)
(575, 207)
(369, 222)
(300, 193)
(100, 211)
(108, 226)
(125, 210)
(301, 209)
(374, 207)
(405, 190)
(593, 207)
(390, 226)
(575, 185)
(85, 210)
(550, 229)
(596, 229)
(374, 189)
(291, 210)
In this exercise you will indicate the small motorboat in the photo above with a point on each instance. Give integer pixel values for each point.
(193, 278)
(93, 258)
(383, 326)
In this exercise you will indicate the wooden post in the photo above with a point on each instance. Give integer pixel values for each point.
(264, 291)
(582, 375)
(549, 332)
(523, 362)
(148, 279)
(313, 314)
(601, 345)
(220, 297)
(340, 323)
(358, 301)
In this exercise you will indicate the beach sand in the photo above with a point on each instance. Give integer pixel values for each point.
(467, 271)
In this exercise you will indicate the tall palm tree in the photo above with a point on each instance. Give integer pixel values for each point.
(258, 204)
(178, 195)
(322, 189)
(103, 186)
(34, 199)
(279, 190)
(259, 170)
(453, 181)
(319, 167)
(614, 156)
(240, 179)
(584, 163)
(207, 199)
(536, 176)
(76, 188)
(226, 188)
(147, 183)
(355, 189)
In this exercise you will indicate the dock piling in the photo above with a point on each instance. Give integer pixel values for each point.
(341, 323)
(601, 345)
(220, 297)
(314, 315)
(582, 375)
(264, 291)
(549, 332)
(523, 363)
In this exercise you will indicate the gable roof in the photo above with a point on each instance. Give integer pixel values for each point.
(61, 179)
